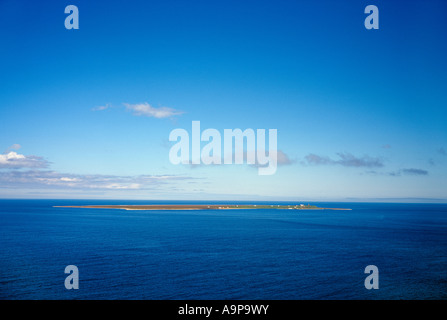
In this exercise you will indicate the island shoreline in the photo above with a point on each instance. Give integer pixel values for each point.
(202, 207)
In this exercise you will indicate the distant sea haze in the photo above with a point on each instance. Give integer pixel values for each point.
(222, 254)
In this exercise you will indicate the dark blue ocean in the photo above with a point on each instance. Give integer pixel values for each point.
(222, 254)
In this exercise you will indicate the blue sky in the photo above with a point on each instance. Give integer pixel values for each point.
(360, 113)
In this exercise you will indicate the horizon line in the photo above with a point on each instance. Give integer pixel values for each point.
(359, 200)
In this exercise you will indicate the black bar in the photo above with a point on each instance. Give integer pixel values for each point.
(228, 309)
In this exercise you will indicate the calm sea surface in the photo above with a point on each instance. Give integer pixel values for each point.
(222, 254)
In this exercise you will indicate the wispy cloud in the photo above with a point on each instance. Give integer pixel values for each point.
(50, 179)
(345, 159)
(14, 160)
(386, 146)
(281, 157)
(22, 171)
(417, 172)
(398, 173)
(282, 160)
(102, 108)
(442, 151)
(145, 109)
(314, 159)
(15, 146)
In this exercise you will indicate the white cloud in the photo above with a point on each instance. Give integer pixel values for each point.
(40, 179)
(145, 109)
(132, 186)
(16, 161)
(69, 179)
(10, 157)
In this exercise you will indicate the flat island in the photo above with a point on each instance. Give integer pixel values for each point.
(202, 207)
